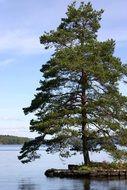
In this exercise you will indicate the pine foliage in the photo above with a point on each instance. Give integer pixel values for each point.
(78, 105)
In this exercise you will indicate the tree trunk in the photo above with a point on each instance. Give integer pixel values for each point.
(84, 119)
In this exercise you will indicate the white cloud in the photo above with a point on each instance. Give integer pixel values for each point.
(16, 131)
(6, 62)
(21, 42)
(9, 118)
(20, 31)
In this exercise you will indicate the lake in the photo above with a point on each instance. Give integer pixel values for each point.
(17, 176)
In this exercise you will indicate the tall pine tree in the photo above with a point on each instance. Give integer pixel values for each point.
(78, 106)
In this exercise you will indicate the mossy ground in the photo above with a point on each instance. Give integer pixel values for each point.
(93, 166)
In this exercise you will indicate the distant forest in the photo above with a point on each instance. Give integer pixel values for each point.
(7, 139)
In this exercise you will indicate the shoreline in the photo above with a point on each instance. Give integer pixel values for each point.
(66, 173)
(73, 172)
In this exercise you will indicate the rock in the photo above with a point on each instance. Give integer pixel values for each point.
(72, 173)
(73, 167)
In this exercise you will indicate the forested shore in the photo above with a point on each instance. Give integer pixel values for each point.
(8, 139)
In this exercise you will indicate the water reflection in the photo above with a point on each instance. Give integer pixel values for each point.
(87, 184)
(106, 184)
(93, 184)
(27, 185)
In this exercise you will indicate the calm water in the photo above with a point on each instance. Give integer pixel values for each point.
(16, 176)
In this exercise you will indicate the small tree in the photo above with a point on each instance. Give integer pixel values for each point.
(78, 105)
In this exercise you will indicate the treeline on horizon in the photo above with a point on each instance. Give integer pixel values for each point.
(8, 139)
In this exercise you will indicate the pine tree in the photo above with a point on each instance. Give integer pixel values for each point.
(78, 106)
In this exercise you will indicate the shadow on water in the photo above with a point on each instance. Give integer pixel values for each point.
(27, 185)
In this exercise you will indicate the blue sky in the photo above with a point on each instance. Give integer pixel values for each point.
(21, 55)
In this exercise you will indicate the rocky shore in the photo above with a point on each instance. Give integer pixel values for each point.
(73, 173)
